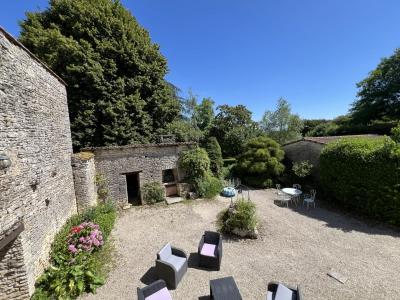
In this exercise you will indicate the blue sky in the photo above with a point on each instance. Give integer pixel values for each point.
(310, 52)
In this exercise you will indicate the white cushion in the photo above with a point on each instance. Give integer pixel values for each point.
(176, 261)
(283, 293)
(165, 252)
(269, 295)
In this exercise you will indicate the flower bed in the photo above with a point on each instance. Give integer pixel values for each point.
(80, 255)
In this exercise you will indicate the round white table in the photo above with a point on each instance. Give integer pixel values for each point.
(292, 191)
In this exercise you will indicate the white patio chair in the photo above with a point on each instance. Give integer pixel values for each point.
(296, 198)
(297, 186)
(285, 198)
(278, 190)
(310, 199)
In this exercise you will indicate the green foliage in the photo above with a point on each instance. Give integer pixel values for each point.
(203, 115)
(208, 187)
(153, 192)
(395, 133)
(183, 130)
(102, 188)
(310, 124)
(364, 175)
(114, 73)
(242, 216)
(214, 153)
(378, 95)
(72, 275)
(261, 162)
(196, 163)
(324, 129)
(232, 127)
(281, 124)
(302, 168)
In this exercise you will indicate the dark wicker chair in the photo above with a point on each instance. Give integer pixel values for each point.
(212, 259)
(171, 265)
(153, 288)
(273, 286)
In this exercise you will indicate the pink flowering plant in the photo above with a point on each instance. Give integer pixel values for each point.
(85, 237)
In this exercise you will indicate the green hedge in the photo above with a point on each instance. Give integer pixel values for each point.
(363, 175)
(153, 192)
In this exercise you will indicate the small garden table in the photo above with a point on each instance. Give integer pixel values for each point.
(224, 289)
(292, 191)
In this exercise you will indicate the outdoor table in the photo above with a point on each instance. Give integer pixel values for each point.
(224, 289)
(292, 191)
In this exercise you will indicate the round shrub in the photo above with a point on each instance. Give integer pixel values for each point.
(261, 162)
(153, 192)
(242, 216)
(208, 187)
(302, 168)
(195, 162)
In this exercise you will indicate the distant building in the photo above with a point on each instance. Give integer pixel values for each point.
(309, 148)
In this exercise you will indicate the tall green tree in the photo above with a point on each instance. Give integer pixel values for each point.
(117, 93)
(214, 153)
(379, 93)
(281, 124)
(232, 127)
(204, 114)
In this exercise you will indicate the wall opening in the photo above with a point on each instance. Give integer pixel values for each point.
(169, 177)
(133, 188)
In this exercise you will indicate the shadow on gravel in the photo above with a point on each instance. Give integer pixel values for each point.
(205, 298)
(345, 221)
(150, 276)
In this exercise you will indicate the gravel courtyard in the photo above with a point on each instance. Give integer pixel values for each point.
(296, 246)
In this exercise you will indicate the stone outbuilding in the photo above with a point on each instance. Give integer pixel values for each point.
(309, 148)
(127, 168)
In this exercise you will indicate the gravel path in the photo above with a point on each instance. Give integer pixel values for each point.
(296, 246)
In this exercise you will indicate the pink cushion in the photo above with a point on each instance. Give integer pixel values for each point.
(162, 294)
(208, 250)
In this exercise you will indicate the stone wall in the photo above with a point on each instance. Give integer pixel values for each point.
(148, 160)
(13, 283)
(85, 180)
(304, 150)
(38, 188)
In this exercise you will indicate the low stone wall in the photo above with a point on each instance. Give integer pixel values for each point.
(84, 171)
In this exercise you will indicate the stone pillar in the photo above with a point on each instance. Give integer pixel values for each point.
(13, 275)
(84, 171)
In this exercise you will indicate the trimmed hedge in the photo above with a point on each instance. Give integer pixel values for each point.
(153, 192)
(363, 175)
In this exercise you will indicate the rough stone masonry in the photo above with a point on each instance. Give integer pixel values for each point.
(38, 188)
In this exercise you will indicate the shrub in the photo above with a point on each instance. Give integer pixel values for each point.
(214, 153)
(208, 187)
(102, 188)
(302, 168)
(364, 175)
(72, 273)
(195, 162)
(242, 216)
(153, 192)
(395, 133)
(261, 162)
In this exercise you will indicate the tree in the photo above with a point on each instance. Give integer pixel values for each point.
(281, 124)
(379, 93)
(232, 127)
(395, 133)
(260, 163)
(214, 153)
(203, 115)
(310, 124)
(183, 130)
(114, 73)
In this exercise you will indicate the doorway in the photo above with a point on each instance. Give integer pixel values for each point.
(133, 186)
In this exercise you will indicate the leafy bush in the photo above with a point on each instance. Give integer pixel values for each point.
(242, 216)
(364, 175)
(153, 192)
(395, 133)
(102, 188)
(196, 163)
(302, 168)
(208, 187)
(261, 162)
(214, 153)
(73, 273)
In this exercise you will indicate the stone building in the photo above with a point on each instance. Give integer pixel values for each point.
(127, 168)
(36, 190)
(309, 148)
